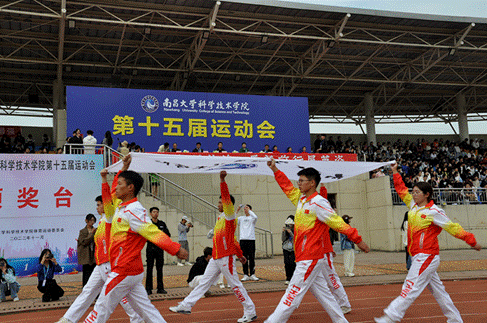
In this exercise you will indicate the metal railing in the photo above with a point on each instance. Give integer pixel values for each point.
(111, 156)
(452, 196)
(196, 208)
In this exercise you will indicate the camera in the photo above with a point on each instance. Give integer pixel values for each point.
(49, 257)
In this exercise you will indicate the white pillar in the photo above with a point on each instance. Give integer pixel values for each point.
(59, 114)
(369, 118)
(462, 117)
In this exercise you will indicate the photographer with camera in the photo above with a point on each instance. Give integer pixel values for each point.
(8, 281)
(287, 238)
(183, 228)
(45, 274)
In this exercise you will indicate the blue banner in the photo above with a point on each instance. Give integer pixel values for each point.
(152, 117)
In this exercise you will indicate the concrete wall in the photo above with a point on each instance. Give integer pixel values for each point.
(368, 201)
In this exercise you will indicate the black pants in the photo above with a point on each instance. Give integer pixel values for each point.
(159, 260)
(289, 263)
(51, 290)
(87, 270)
(248, 249)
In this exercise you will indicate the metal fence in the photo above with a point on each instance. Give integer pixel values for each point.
(452, 196)
(198, 209)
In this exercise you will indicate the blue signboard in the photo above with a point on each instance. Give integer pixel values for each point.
(152, 117)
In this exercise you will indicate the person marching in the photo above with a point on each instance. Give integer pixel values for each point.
(313, 214)
(97, 279)
(131, 228)
(332, 279)
(225, 246)
(425, 222)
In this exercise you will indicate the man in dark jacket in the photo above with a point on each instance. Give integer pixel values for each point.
(156, 254)
(199, 267)
(86, 247)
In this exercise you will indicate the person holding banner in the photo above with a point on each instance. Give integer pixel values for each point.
(131, 228)
(313, 215)
(225, 247)
(102, 240)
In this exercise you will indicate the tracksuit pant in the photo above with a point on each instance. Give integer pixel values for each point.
(91, 290)
(333, 281)
(308, 275)
(226, 266)
(423, 274)
(115, 289)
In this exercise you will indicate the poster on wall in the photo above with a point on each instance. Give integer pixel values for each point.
(151, 118)
(44, 200)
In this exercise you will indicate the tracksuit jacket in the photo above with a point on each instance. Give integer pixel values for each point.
(313, 217)
(425, 223)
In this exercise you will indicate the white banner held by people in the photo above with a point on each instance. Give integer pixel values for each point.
(190, 164)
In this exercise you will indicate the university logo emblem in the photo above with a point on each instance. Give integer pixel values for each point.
(150, 104)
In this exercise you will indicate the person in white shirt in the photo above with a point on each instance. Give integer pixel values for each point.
(247, 241)
(88, 141)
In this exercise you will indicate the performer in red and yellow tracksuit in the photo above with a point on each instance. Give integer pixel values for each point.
(225, 247)
(425, 222)
(332, 279)
(313, 215)
(100, 273)
(131, 228)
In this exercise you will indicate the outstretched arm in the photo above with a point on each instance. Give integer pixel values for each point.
(228, 207)
(287, 187)
(401, 188)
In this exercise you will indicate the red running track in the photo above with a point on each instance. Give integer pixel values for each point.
(469, 296)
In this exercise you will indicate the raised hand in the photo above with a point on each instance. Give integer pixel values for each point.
(126, 162)
(223, 174)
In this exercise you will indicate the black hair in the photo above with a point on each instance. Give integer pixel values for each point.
(244, 143)
(99, 199)
(198, 143)
(425, 188)
(231, 198)
(291, 217)
(43, 252)
(90, 132)
(250, 206)
(266, 145)
(134, 178)
(405, 219)
(311, 174)
(208, 251)
(8, 267)
(90, 216)
(166, 144)
(153, 208)
(108, 135)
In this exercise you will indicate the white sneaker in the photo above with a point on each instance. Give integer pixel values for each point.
(247, 318)
(383, 319)
(222, 286)
(180, 264)
(188, 263)
(346, 309)
(180, 309)
(64, 320)
(16, 299)
(228, 286)
(245, 278)
(254, 278)
(286, 282)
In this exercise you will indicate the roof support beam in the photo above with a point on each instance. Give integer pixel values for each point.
(60, 55)
(196, 48)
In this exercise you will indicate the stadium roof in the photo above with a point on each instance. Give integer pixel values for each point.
(414, 65)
